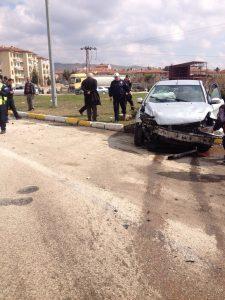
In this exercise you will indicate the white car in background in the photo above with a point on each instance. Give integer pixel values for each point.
(102, 89)
(19, 90)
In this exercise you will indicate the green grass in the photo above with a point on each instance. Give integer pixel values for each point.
(69, 105)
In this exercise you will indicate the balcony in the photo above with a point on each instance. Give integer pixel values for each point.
(19, 76)
(19, 68)
(18, 59)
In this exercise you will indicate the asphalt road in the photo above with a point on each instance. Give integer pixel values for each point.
(86, 215)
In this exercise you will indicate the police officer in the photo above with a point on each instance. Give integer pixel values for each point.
(3, 100)
(10, 101)
(117, 91)
(129, 99)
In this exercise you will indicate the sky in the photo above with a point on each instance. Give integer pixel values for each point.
(129, 32)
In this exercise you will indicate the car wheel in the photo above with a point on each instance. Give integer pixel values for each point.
(138, 135)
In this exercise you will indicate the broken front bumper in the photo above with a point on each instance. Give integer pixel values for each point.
(186, 137)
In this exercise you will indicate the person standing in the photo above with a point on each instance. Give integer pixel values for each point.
(3, 100)
(91, 96)
(220, 123)
(10, 104)
(129, 99)
(29, 92)
(117, 91)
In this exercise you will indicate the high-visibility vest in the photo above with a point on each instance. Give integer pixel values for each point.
(2, 98)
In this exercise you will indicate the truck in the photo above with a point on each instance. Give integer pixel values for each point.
(76, 79)
(75, 82)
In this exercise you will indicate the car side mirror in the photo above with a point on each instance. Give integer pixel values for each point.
(140, 100)
(215, 101)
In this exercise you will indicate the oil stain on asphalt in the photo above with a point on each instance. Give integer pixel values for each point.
(28, 190)
(16, 202)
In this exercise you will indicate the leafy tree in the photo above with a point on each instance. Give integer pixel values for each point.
(66, 74)
(35, 76)
(217, 69)
(48, 81)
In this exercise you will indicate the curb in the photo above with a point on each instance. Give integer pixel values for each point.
(74, 121)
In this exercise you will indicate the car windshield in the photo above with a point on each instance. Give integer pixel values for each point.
(176, 93)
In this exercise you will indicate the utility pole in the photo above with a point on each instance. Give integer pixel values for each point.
(87, 50)
(52, 67)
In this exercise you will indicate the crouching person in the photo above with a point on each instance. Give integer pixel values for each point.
(220, 123)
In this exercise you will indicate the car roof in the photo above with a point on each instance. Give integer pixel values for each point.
(179, 82)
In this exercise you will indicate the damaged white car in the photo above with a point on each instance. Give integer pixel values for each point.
(180, 112)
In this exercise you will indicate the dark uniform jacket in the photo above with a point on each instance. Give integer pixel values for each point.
(10, 92)
(118, 89)
(91, 96)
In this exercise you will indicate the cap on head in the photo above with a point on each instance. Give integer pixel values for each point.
(116, 75)
(90, 75)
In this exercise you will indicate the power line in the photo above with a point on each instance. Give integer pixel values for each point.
(87, 51)
(168, 35)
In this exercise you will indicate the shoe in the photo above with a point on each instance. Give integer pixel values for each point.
(3, 132)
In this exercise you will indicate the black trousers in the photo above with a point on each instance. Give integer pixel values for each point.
(10, 104)
(130, 100)
(3, 113)
(117, 103)
(92, 112)
(83, 108)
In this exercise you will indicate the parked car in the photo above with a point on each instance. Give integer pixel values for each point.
(178, 112)
(102, 89)
(19, 90)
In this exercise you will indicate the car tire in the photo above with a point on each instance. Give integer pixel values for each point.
(138, 135)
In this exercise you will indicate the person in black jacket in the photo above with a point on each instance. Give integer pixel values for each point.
(117, 91)
(220, 123)
(10, 104)
(29, 92)
(129, 99)
(3, 100)
(91, 97)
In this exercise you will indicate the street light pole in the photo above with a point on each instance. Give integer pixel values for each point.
(52, 68)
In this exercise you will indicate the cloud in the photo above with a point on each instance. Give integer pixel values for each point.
(125, 32)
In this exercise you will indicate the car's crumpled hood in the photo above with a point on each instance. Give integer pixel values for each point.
(176, 113)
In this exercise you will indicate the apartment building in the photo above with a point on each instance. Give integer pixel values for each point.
(43, 70)
(19, 64)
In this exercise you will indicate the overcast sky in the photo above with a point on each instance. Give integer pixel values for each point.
(128, 32)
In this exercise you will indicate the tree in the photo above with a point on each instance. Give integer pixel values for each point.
(66, 75)
(217, 69)
(48, 81)
(34, 76)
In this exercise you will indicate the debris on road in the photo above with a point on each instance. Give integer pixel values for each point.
(126, 226)
(183, 154)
